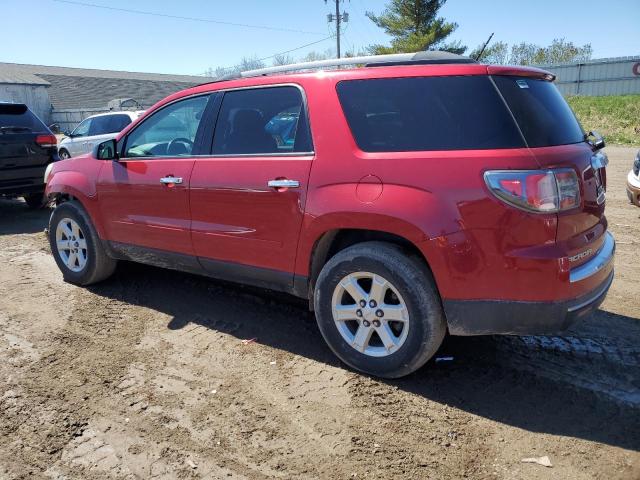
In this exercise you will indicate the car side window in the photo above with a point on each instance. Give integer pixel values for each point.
(118, 122)
(108, 124)
(170, 132)
(99, 125)
(82, 130)
(262, 121)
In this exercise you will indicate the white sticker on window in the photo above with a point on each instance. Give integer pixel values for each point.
(522, 83)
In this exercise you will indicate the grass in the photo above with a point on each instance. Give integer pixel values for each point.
(617, 118)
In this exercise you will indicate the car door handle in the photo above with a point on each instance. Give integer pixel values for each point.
(283, 183)
(171, 180)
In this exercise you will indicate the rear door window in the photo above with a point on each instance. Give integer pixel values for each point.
(427, 113)
(108, 124)
(542, 113)
(262, 121)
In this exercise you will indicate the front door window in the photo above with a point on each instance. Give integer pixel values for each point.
(171, 132)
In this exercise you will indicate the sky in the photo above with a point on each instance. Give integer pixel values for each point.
(64, 33)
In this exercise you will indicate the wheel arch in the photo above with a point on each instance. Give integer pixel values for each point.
(74, 186)
(330, 242)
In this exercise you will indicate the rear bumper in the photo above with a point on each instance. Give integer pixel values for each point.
(485, 317)
(22, 181)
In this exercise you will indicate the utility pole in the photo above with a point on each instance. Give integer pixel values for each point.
(344, 17)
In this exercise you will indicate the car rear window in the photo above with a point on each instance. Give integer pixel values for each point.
(544, 117)
(427, 113)
(19, 116)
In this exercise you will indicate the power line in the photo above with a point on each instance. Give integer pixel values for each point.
(179, 17)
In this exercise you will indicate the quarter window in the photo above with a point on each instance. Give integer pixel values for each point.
(262, 121)
(427, 113)
(170, 132)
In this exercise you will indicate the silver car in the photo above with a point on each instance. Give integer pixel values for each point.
(93, 130)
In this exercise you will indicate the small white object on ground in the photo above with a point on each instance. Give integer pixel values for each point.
(544, 461)
(191, 463)
(272, 363)
(444, 359)
(213, 391)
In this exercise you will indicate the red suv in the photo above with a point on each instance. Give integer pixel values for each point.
(406, 197)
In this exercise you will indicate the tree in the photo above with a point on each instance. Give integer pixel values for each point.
(414, 26)
(282, 59)
(561, 51)
(524, 53)
(496, 53)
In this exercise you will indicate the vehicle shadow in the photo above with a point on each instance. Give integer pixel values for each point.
(16, 217)
(480, 380)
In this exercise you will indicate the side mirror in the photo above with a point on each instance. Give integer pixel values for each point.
(107, 150)
(595, 140)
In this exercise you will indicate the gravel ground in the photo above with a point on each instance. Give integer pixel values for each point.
(146, 376)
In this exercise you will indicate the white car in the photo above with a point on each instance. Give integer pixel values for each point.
(93, 130)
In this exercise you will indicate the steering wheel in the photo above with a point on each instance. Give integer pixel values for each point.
(187, 145)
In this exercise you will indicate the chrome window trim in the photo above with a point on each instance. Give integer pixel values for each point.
(599, 261)
(240, 155)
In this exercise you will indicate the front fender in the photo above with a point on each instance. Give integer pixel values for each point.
(77, 185)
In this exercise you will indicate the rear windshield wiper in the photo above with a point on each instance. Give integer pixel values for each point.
(14, 129)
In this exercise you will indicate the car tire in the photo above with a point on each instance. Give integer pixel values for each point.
(63, 154)
(409, 292)
(71, 232)
(34, 200)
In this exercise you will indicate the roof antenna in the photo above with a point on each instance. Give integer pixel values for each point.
(483, 47)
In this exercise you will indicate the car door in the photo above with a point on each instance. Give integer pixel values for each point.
(248, 196)
(144, 195)
(77, 137)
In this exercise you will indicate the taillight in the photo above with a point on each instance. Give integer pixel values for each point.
(541, 191)
(47, 141)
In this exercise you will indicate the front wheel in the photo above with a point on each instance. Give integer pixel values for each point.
(378, 309)
(76, 247)
(63, 154)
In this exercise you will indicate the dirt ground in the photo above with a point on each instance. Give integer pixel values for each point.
(146, 376)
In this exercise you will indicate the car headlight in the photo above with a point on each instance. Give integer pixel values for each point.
(47, 172)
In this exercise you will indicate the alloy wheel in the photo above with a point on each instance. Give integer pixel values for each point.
(370, 314)
(71, 244)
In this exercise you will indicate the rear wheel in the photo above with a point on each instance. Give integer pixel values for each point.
(76, 247)
(378, 309)
(35, 200)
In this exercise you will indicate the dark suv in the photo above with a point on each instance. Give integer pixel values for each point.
(27, 147)
(410, 197)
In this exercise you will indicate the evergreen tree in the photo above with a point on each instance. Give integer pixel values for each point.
(415, 26)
